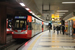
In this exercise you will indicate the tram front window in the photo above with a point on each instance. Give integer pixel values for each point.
(20, 24)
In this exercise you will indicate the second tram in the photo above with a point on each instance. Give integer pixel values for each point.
(9, 26)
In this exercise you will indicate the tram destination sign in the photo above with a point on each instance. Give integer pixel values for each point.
(20, 17)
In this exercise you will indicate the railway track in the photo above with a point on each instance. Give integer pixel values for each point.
(15, 44)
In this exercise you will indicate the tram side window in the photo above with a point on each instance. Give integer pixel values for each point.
(29, 26)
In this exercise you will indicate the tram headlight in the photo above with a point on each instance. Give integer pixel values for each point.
(7, 29)
(26, 32)
(12, 32)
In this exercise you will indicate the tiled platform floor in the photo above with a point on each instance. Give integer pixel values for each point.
(50, 41)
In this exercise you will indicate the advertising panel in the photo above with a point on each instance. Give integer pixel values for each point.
(73, 27)
(70, 27)
(73, 32)
(66, 26)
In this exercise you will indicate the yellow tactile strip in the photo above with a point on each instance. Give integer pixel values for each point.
(32, 45)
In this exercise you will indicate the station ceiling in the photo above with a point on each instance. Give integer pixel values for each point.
(44, 8)
(13, 8)
(38, 7)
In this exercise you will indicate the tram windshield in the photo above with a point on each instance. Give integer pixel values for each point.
(20, 24)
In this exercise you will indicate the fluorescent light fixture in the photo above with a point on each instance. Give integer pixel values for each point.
(36, 15)
(27, 8)
(31, 12)
(52, 19)
(60, 13)
(39, 15)
(22, 4)
(62, 10)
(55, 18)
(68, 2)
(58, 19)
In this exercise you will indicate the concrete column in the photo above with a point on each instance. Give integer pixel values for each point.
(2, 24)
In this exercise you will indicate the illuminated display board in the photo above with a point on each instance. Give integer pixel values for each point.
(20, 17)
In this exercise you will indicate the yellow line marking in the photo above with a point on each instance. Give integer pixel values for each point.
(31, 46)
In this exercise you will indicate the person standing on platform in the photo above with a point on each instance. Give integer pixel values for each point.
(63, 28)
(57, 28)
(54, 29)
(60, 29)
(49, 26)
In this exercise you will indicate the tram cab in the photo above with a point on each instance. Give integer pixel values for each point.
(26, 27)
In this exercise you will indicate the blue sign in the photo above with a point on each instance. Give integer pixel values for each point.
(20, 17)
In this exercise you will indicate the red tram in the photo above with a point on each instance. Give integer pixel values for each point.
(26, 27)
(8, 26)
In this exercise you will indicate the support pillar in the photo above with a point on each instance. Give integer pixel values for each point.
(2, 24)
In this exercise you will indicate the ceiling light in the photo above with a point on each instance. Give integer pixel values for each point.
(55, 18)
(22, 4)
(31, 12)
(52, 19)
(36, 15)
(68, 2)
(60, 13)
(39, 15)
(58, 19)
(59, 16)
(62, 10)
(27, 8)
